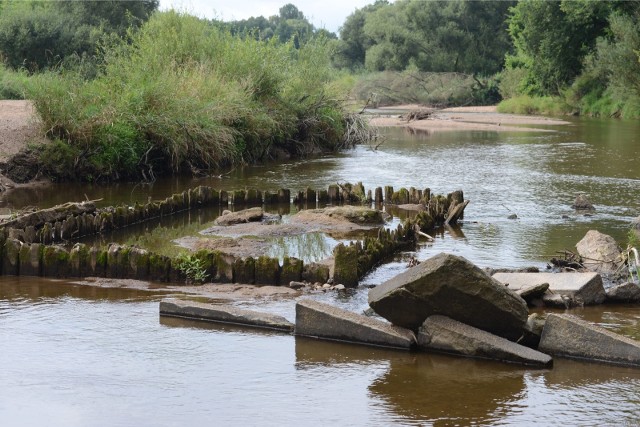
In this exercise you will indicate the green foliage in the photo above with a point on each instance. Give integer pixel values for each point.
(193, 267)
(290, 25)
(12, 83)
(37, 34)
(180, 94)
(552, 38)
(525, 104)
(443, 36)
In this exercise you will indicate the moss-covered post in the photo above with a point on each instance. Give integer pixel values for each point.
(223, 196)
(11, 258)
(284, 196)
(253, 197)
(267, 271)
(334, 193)
(55, 262)
(323, 197)
(80, 260)
(98, 261)
(345, 267)
(159, 267)
(139, 263)
(315, 273)
(238, 197)
(244, 271)
(224, 267)
(31, 259)
(388, 194)
(378, 196)
(291, 270)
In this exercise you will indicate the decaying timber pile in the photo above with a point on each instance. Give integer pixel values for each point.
(37, 243)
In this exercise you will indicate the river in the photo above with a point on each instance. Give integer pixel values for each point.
(73, 355)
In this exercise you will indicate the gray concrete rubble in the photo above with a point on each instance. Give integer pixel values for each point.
(568, 336)
(443, 334)
(583, 288)
(320, 320)
(450, 286)
(625, 293)
(223, 314)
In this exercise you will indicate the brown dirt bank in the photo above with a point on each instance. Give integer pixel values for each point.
(484, 118)
(19, 127)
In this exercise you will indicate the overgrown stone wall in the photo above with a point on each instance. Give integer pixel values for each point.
(28, 244)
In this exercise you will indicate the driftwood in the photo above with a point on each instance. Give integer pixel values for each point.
(416, 115)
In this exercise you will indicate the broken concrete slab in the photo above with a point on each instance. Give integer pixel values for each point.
(569, 336)
(529, 293)
(223, 314)
(625, 293)
(444, 334)
(320, 320)
(585, 288)
(451, 286)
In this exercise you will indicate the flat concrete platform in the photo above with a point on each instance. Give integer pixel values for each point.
(586, 287)
(224, 314)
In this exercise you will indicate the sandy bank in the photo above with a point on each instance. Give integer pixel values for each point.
(484, 118)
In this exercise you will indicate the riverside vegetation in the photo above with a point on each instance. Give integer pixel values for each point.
(181, 94)
(126, 92)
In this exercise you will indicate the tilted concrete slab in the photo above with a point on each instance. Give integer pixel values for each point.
(569, 336)
(443, 334)
(586, 287)
(320, 320)
(224, 314)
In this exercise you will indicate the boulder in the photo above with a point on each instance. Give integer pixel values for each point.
(320, 320)
(451, 286)
(582, 288)
(246, 215)
(444, 334)
(223, 314)
(583, 203)
(568, 336)
(626, 292)
(599, 252)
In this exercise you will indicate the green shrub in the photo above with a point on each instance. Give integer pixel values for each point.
(525, 104)
(181, 94)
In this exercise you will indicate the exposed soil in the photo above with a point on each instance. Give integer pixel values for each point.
(19, 127)
(465, 118)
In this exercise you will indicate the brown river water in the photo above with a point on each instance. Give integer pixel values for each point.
(74, 355)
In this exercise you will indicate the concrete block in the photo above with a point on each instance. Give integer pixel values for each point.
(586, 288)
(446, 335)
(569, 336)
(223, 314)
(324, 321)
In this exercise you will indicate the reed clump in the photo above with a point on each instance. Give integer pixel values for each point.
(181, 95)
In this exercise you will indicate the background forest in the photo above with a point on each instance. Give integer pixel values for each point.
(126, 90)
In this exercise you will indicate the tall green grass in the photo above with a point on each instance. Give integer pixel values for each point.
(180, 94)
(12, 83)
(525, 104)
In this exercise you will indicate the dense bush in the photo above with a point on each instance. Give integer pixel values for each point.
(181, 94)
(433, 89)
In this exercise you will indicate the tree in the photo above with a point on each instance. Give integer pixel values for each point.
(457, 35)
(37, 34)
(552, 38)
